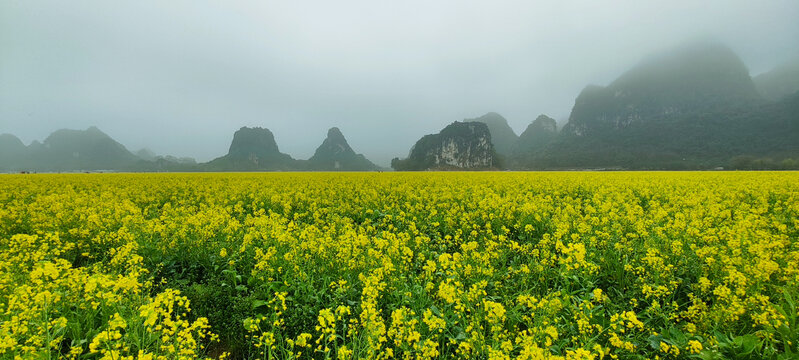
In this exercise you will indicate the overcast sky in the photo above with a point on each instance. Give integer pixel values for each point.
(179, 77)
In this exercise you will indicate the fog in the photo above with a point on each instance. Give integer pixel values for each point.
(179, 77)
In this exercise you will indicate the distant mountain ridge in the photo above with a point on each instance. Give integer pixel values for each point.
(80, 150)
(69, 150)
(255, 149)
(90, 149)
(694, 107)
(252, 149)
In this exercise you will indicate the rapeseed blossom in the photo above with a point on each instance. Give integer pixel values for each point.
(397, 265)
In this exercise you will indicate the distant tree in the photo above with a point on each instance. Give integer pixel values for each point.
(742, 162)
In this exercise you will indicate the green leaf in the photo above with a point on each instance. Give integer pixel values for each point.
(654, 341)
(748, 343)
(677, 336)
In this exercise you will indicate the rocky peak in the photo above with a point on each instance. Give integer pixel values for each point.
(334, 134)
(253, 149)
(544, 123)
(538, 135)
(502, 135)
(460, 145)
(334, 144)
(251, 143)
(336, 154)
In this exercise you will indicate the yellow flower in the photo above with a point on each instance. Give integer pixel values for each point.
(694, 347)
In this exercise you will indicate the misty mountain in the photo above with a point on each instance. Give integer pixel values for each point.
(12, 151)
(69, 150)
(184, 160)
(459, 146)
(146, 155)
(502, 135)
(694, 107)
(81, 150)
(10, 144)
(538, 135)
(770, 130)
(698, 77)
(150, 156)
(253, 149)
(335, 154)
(780, 82)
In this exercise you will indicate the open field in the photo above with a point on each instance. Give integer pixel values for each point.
(404, 265)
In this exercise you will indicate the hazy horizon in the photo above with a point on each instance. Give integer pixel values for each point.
(181, 77)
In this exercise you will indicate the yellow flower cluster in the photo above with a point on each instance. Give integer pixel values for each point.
(399, 265)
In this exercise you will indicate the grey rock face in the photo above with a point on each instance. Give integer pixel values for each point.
(460, 145)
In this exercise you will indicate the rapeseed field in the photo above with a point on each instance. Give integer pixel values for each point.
(400, 265)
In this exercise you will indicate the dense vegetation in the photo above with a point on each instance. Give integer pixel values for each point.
(434, 265)
(780, 82)
(690, 141)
